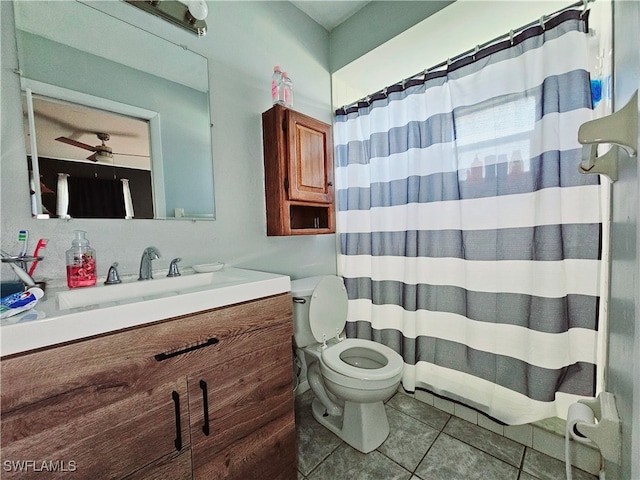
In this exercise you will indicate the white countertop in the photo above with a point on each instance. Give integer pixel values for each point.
(47, 325)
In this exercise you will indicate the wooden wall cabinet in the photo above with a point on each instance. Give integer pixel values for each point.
(298, 164)
(205, 396)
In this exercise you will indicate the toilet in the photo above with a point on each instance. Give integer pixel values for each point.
(350, 378)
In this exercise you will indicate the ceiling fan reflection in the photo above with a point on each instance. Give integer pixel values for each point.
(102, 152)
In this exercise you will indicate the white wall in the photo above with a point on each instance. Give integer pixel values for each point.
(623, 369)
(245, 40)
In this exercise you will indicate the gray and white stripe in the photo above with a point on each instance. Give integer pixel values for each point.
(468, 240)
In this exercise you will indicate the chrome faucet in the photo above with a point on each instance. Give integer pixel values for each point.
(150, 253)
(113, 277)
(173, 268)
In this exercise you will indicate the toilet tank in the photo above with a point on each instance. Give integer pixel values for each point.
(301, 291)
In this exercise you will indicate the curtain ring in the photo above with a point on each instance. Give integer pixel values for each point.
(542, 22)
(384, 92)
(585, 7)
(511, 37)
(475, 52)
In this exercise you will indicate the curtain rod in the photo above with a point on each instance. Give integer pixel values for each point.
(449, 61)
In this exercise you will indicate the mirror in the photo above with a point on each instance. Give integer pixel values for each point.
(110, 77)
(102, 159)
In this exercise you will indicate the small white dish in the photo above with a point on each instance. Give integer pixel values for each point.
(208, 267)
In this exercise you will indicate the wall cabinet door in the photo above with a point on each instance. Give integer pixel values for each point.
(310, 152)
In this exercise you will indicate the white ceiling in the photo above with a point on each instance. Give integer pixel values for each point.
(329, 13)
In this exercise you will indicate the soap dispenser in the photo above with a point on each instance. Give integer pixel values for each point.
(81, 262)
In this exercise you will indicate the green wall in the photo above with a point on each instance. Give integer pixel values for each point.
(373, 25)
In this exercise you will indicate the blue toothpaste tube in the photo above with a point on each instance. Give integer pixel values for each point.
(20, 302)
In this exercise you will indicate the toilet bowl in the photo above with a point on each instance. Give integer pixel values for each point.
(350, 378)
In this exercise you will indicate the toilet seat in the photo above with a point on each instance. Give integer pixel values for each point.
(393, 363)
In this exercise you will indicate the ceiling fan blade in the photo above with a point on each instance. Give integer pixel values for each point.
(75, 143)
(130, 154)
(93, 158)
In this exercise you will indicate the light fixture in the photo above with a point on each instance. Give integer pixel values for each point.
(197, 10)
(188, 15)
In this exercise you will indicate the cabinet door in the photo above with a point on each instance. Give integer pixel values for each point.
(242, 413)
(100, 408)
(267, 453)
(310, 148)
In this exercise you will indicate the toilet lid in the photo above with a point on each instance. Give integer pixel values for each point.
(328, 308)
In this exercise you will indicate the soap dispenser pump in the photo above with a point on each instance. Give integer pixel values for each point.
(81, 262)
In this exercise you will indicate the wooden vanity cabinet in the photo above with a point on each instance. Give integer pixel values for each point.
(298, 164)
(204, 396)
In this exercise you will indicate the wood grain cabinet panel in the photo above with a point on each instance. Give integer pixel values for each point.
(240, 402)
(131, 404)
(298, 163)
(310, 158)
(99, 408)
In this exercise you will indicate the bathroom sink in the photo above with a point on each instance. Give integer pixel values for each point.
(66, 315)
(139, 290)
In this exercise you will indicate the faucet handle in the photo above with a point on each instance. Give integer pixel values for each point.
(173, 268)
(112, 277)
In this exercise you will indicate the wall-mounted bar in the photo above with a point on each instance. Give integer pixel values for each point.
(619, 129)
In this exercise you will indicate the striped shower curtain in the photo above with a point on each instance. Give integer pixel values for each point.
(469, 242)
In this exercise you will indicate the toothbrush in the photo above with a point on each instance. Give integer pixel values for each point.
(23, 236)
(41, 244)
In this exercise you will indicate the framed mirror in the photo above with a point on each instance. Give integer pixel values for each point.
(119, 81)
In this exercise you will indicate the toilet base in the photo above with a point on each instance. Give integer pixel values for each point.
(364, 426)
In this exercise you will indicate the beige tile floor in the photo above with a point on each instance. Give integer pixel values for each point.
(424, 443)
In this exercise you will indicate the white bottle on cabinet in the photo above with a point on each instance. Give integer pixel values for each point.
(277, 86)
(288, 90)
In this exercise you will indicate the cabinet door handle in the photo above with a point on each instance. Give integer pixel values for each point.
(205, 407)
(176, 403)
(164, 356)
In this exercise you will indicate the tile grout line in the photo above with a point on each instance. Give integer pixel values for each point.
(427, 452)
(325, 458)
